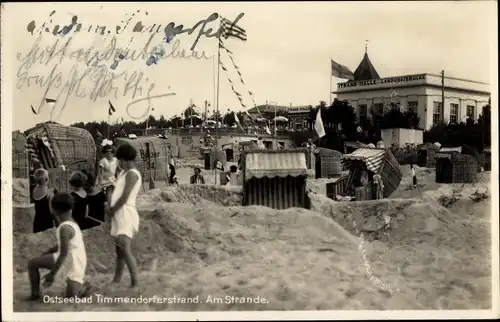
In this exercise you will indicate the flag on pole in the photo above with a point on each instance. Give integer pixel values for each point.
(318, 125)
(341, 71)
(230, 29)
(111, 109)
(51, 103)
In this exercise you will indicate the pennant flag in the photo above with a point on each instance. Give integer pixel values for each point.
(318, 125)
(111, 109)
(341, 71)
(33, 110)
(230, 29)
(230, 54)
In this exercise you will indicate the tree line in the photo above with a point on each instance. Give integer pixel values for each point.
(340, 121)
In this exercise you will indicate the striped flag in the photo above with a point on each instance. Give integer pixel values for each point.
(230, 29)
(111, 109)
(341, 71)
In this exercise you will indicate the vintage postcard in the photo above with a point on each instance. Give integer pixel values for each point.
(249, 161)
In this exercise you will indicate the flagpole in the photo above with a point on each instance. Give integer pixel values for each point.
(109, 117)
(330, 92)
(275, 115)
(217, 99)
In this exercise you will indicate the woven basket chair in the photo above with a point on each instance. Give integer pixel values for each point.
(70, 145)
(20, 165)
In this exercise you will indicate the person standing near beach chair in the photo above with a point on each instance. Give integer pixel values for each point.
(123, 212)
(96, 200)
(77, 183)
(107, 172)
(68, 259)
(414, 176)
(378, 185)
(41, 195)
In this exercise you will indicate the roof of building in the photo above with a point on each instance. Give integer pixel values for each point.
(365, 70)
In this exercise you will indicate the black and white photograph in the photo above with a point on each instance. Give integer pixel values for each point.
(249, 160)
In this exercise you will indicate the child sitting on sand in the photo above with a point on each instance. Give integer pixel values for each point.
(42, 195)
(77, 182)
(107, 172)
(96, 200)
(123, 212)
(67, 259)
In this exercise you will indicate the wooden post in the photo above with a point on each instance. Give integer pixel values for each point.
(442, 94)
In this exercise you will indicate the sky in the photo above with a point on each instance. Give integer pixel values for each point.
(286, 59)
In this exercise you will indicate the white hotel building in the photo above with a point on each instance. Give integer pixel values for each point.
(422, 92)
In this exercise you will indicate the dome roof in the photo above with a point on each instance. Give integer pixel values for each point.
(365, 70)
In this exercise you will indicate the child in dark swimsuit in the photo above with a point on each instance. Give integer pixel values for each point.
(96, 202)
(77, 183)
(41, 196)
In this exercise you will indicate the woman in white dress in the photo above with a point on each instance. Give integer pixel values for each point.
(108, 171)
(123, 212)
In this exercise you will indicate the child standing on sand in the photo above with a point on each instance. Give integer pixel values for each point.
(67, 259)
(42, 195)
(123, 213)
(414, 176)
(108, 168)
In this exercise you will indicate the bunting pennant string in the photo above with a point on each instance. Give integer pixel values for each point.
(240, 98)
(231, 56)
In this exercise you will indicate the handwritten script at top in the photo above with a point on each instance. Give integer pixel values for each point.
(90, 76)
(170, 30)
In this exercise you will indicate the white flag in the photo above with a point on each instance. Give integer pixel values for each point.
(268, 131)
(238, 123)
(318, 125)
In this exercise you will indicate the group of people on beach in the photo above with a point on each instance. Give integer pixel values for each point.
(90, 202)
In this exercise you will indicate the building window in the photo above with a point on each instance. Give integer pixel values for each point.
(363, 111)
(413, 106)
(437, 113)
(470, 112)
(378, 108)
(453, 113)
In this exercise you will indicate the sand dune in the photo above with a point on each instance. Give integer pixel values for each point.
(408, 252)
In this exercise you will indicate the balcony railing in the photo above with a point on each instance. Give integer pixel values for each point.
(212, 131)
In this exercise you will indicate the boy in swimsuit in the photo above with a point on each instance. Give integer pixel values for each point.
(68, 259)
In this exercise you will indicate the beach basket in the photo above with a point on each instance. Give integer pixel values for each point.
(20, 164)
(69, 144)
(153, 156)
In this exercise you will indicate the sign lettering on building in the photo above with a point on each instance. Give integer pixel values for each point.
(298, 109)
(388, 80)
